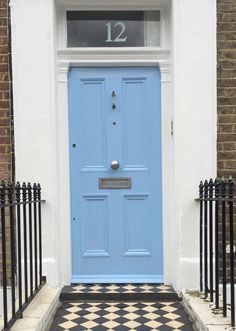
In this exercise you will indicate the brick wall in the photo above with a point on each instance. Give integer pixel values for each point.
(5, 117)
(5, 140)
(226, 43)
(226, 87)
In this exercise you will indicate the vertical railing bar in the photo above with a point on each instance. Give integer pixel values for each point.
(29, 191)
(211, 237)
(223, 194)
(201, 235)
(25, 241)
(206, 238)
(4, 265)
(13, 258)
(35, 236)
(18, 209)
(231, 224)
(40, 232)
(217, 183)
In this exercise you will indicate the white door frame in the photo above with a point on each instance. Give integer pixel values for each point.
(88, 57)
(67, 59)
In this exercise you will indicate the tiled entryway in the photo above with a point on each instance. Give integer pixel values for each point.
(112, 315)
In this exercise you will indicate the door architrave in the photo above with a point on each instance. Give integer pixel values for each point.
(113, 57)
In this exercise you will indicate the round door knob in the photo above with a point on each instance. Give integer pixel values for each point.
(115, 164)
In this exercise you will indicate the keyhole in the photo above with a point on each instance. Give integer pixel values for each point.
(114, 123)
(73, 145)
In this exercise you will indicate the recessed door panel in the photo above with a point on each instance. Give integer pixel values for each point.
(115, 166)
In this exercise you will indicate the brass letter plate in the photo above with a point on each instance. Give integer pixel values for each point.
(115, 183)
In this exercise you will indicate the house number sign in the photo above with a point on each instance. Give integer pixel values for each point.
(105, 29)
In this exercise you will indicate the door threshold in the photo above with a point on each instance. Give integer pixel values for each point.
(117, 279)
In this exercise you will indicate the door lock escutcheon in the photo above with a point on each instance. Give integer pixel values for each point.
(113, 100)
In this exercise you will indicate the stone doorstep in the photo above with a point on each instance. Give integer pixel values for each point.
(40, 312)
(200, 312)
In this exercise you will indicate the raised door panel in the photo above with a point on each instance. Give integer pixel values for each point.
(92, 119)
(137, 225)
(94, 226)
(135, 123)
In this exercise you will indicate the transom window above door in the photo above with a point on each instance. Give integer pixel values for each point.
(114, 28)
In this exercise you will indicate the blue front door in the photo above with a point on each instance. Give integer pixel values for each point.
(115, 115)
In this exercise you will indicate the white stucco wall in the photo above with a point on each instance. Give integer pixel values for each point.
(34, 103)
(195, 120)
(193, 105)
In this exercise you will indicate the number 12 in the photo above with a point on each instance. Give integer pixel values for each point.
(121, 37)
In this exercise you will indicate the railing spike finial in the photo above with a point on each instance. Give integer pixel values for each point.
(35, 191)
(217, 185)
(29, 190)
(2, 191)
(10, 191)
(39, 191)
(18, 191)
(211, 185)
(206, 186)
(201, 187)
(24, 192)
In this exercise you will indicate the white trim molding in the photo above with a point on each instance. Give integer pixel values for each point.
(117, 57)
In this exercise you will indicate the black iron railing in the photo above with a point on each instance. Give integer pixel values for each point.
(21, 248)
(217, 243)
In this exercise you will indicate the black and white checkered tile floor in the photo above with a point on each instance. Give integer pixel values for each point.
(117, 292)
(121, 316)
(121, 288)
(120, 307)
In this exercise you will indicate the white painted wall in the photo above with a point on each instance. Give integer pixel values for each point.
(194, 109)
(34, 101)
(37, 130)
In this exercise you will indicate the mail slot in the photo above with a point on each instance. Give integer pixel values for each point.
(115, 183)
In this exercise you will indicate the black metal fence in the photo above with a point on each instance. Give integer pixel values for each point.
(21, 248)
(217, 244)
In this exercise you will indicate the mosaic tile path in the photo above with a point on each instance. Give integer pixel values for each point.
(122, 288)
(119, 292)
(121, 316)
